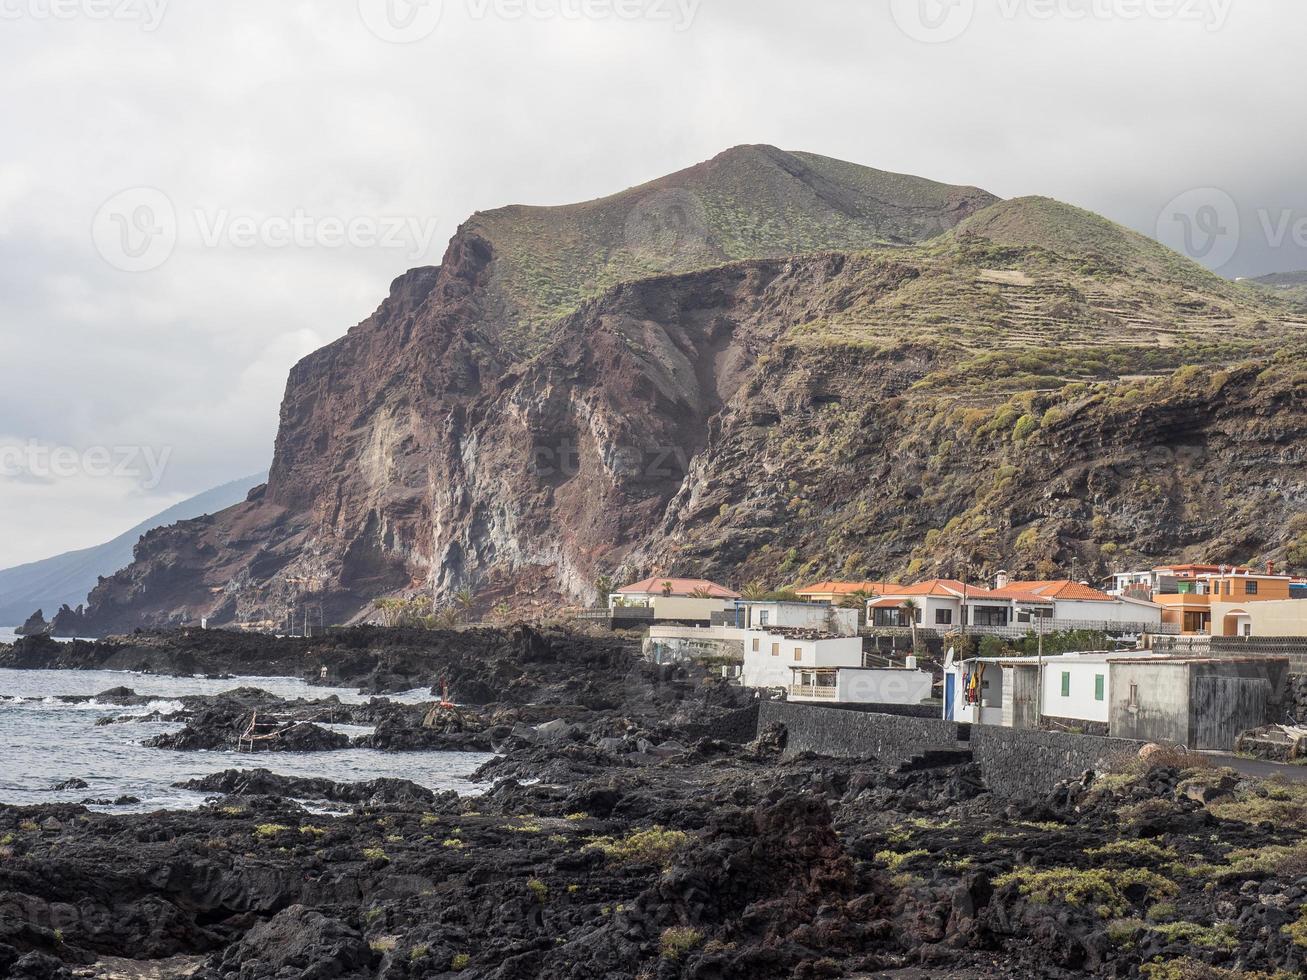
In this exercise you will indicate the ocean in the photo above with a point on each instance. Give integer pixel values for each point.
(47, 741)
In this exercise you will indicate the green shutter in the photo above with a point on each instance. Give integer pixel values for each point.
(1066, 683)
(1100, 687)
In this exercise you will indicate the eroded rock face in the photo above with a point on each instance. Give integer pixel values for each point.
(822, 413)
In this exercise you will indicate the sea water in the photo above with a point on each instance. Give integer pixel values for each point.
(45, 741)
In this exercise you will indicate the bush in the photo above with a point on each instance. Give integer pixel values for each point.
(677, 941)
(1105, 888)
(1026, 427)
(654, 846)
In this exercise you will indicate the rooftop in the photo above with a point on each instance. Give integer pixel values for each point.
(682, 587)
(847, 588)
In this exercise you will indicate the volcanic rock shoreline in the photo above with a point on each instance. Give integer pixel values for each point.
(647, 837)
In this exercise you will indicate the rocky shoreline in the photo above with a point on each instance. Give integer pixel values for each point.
(629, 829)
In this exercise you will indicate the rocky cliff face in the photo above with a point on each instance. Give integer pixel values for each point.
(1002, 394)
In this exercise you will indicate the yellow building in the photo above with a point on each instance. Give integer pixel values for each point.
(1206, 604)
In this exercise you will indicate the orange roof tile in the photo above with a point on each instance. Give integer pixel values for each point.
(1059, 589)
(846, 588)
(680, 587)
(949, 587)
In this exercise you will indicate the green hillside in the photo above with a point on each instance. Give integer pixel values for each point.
(1033, 293)
(749, 202)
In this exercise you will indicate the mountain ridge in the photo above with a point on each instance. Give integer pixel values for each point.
(862, 412)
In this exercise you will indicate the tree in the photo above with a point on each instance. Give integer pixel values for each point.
(857, 600)
(912, 607)
(465, 602)
(754, 591)
(668, 588)
(604, 586)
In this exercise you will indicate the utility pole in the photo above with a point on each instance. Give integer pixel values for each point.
(1039, 671)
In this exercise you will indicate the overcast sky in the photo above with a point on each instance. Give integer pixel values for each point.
(195, 194)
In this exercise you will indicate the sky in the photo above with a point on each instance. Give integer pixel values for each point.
(194, 195)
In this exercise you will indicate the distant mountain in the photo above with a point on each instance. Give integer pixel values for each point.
(69, 578)
(1290, 286)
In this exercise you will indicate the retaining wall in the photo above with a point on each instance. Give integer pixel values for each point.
(1014, 763)
(1028, 764)
(857, 734)
(737, 726)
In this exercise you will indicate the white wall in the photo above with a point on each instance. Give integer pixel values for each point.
(1081, 704)
(883, 686)
(762, 668)
(1109, 612)
(813, 616)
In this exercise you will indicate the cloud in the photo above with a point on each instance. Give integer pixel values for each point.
(260, 113)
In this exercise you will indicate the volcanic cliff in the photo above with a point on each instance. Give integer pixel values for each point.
(769, 366)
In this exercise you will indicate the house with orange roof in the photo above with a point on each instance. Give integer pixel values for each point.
(1011, 608)
(692, 601)
(1220, 600)
(838, 592)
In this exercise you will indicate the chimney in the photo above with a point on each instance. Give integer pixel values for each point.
(1001, 580)
(1270, 568)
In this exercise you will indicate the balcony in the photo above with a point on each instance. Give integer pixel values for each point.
(814, 692)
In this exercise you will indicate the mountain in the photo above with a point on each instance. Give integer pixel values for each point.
(843, 373)
(67, 579)
(1289, 286)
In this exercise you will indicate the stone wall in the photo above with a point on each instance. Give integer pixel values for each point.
(858, 734)
(737, 726)
(1028, 764)
(1019, 764)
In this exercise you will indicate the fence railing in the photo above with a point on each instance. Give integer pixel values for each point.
(633, 614)
(1017, 631)
(813, 691)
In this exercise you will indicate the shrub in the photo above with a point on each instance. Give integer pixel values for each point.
(677, 941)
(1026, 427)
(1103, 887)
(374, 854)
(656, 845)
(266, 830)
(460, 961)
(896, 859)
(539, 889)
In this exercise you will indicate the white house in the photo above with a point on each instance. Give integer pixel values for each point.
(676, 599)
(769, 654)
(1012, 609)
(1014, 692)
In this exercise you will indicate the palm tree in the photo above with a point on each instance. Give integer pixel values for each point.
(754, 591)
(911, 607)
(668, 588)
(465, 599)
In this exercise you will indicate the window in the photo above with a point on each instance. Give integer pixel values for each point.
(1134, 696)
(775, 649)
(756, 644)
(1251, 587)
(943, 617)
(1066, 683)
(1100, 687)
(764, 617)
(798, 654)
